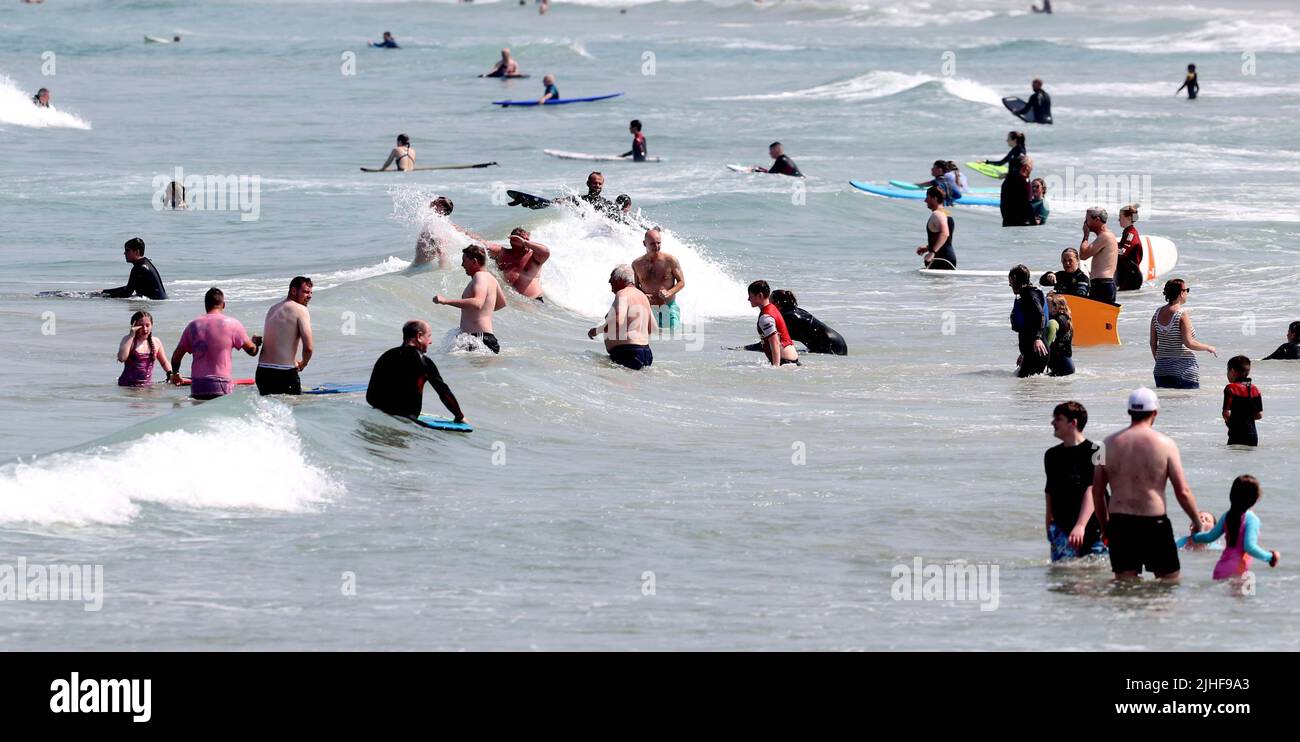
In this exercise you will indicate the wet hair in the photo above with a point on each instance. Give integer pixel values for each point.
(1017, 136)
(1244, 494)
(446, 202)
(623, 200)
(624, 273)
(411, 330)
(636, 124)
(1174, 289)
(1130, 211)
(1019, 275)
(941, 164)
(934, 193)
(477, 253)
(1294, 328)
(214, 298)
(1074, 412)
(1041, 182)
(403, 140)
(1098, 213)
(950, 167)
(136, 319)
(1037, 81)
(761, 288)
(785, 299)
(135, 244)
(774, 144)
(1240, 364)
(42, 90)
(595, 172)
(298, 282)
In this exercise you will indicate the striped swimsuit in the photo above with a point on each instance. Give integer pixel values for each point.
(1172, 357)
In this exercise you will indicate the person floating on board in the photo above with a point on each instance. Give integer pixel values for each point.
(637, 153)
(1129, 275)
(481, 298)
(138, 352)
(287, 324)
(1047, 7)
(211, 339)
(1038, 200)
(1103, 252)
(782, 164)
(1072, 529)
(659, 276)
(1016, 201)
(388, 43)
(938, 250)
(42, 98)
(505, 67)
(521, 263)
(1039, 108)
(629, 323)
(1193, 87)
(817, 336)
(1242, 404)
(774, 336)
(398, 378)
(1290, 350)
(403, 154)
(144, 279)
(1029, 321)
(550, 92)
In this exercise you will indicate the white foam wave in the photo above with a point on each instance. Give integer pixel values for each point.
(16, 108)
(253, 289)
(882, 84)
(1214, 36)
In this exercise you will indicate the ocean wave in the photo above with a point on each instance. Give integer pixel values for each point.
(882, 84)
(254, 289)
(16, 108)
(1214, 36)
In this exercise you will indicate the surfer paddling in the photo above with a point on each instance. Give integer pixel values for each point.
(782, 164)
(660, 278)
(388, 43)
(629, 322)
(287, 324)
(144, 279)
(480, 299)
(403, 154)
(398, 378)
(505, 67)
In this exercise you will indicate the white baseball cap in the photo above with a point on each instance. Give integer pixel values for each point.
(1143, 400)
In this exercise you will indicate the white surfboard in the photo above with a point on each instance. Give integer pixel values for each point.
(741, 168)
(563, 155)
(156, 40)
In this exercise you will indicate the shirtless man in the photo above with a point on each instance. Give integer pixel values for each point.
(629, 322)
(659, 276)
(1135, 463)
(428, 247)
(1104, 252)
(482, 297)
(287, 324)
(403, 154)
(505, 67)
(521, 263)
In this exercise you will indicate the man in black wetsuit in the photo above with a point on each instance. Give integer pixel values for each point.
(397, 381)
(1040, 103)
(783, 165)
(1016, 202)
(1290, 350)
(144, 280)
(595, 183)
(1029, 320)
(1191, 83)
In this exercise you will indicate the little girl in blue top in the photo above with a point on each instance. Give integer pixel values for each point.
(1241, 527)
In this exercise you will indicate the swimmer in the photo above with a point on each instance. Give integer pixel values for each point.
(287, 324)
(1290, 350)
(1071, 279)
(1240, 527)
(144, 279)
(772, 332)
(1191, 83)
(782, 164)
(1104, 253)
(174, 196)
(403, 154)
(938, 250)
(551, 92)
(659, 276)
(521, 263)
(623, 207)
(1038, 200)
(138, 352)
(481, 298)
(388, 43)
(629, 323)
(42, 98)
(817, 336)
(211, 339)
(505, 67)
(595, 185)
(637, 153)
(1128, 266)
(1016, 141)
(398, 378)
(1072, 529)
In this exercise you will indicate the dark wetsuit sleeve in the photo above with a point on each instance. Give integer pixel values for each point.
(1014, 153)
(434, 378)
(1031, 315)
(1277, 355)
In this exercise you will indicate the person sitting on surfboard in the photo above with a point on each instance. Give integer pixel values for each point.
(938, 250)
(388, 43)
(42, 98)
(1104, 253)
(629, 323)
(403, 154)
(637, 153)
(1128, 271)
(144, 279)
(1193, 87)
(398, 378)
(551, 92)
(1038, 200)
(1015, 203)
(1016, 141)
(505, 67)
(782, 164)
(1290, 350)
(817, 336)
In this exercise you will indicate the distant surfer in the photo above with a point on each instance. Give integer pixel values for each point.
(595, 185)
(1047, 7)
(659, 276)
(388, 43)
(287, 324)
(938, 250)
(1104, 253)
(1290, 350)
(403, 154)
(1193, 87)
(774, 336)
(550, 92)
(1029, 321)
(521, 263)
(1016, 202)
(429, 247)
(174, 196)
(1129, 275)
(1039, 108)
(1038, 200)
(398, 378)
(42, 98)
(505, 67)
(637, 153)
(947, 178)
(629, 322)
(211, 339)
(144, 279)
(782, 164)
(1016, 141)
(481, 298)
(817, 336)
(139, 351)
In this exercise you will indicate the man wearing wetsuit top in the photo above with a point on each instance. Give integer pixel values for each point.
(1071, 279)
(287, 324)
(1135, 464)
(144, 279)
(1193, 87)
(783, 165)
(1016, 202)
(1290, 350)
(1029, 320)
(772, 332)
(388, 43)
(1072, 529)
(397, 381)
(637, 153)
(1040, 103)
(551, 92)
(1104, 252)
(596, 183)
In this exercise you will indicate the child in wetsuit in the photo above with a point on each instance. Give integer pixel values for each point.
(1290, 350)
(1242, 404)
(1190, 82)
(1240, 526)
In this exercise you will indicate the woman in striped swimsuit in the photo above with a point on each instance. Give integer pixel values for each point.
(1173, 339)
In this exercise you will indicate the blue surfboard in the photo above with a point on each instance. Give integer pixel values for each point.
(336, 389)
(919, 195)
(905, 186)
(442, 423)
(555, 102)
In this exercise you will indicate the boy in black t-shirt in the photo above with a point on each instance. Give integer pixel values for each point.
(1072, 528)
(1242, 404)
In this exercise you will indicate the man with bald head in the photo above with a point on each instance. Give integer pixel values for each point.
(397, 381)
(660, 277)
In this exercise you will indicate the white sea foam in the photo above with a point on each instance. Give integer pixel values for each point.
(16, 108)
(882, 84)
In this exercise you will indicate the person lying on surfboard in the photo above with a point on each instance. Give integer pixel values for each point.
(505, 67)
(551, 93)
(388, 43)
(403, 154)
(783, 165)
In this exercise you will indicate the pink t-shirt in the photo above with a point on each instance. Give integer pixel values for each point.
(210, 339)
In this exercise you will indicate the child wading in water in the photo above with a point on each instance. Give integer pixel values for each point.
(1241, 527)
(138, 352)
